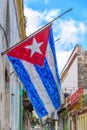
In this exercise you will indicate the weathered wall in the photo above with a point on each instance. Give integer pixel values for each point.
(75, 72)
(82, 70)
(70, 83)
(9, 83)
(3, 46)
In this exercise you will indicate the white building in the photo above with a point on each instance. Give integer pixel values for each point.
(74, 74)
(12, 31)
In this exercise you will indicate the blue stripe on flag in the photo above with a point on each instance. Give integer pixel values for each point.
(30, 89)
(49, 83)
(51, 42)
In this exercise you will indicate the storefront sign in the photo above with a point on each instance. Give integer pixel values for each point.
(78, 106)
(76, 96)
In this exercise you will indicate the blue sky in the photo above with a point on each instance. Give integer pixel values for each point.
(71, 28)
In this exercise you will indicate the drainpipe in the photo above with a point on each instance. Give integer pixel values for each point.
(21, 106)
(76, 120)
(56, 125)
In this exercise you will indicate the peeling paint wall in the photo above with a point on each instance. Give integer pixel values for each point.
(9, 83)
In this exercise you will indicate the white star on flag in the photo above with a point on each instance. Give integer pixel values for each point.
(35, 47)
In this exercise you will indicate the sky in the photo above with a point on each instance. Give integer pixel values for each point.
(70, 28)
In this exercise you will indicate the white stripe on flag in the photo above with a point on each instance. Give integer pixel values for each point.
(39, 86)
(50, 60)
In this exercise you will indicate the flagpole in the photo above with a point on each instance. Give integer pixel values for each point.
(57, 39)
(50, 23)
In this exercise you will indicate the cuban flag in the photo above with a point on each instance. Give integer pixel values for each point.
(34, 61)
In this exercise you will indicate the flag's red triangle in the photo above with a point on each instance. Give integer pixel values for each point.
(23, 52)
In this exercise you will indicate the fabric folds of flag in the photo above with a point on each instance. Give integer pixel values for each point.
(34, 61)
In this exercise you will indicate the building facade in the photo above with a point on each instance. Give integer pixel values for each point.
(74, 74)
(74, 84)
(12, 30)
